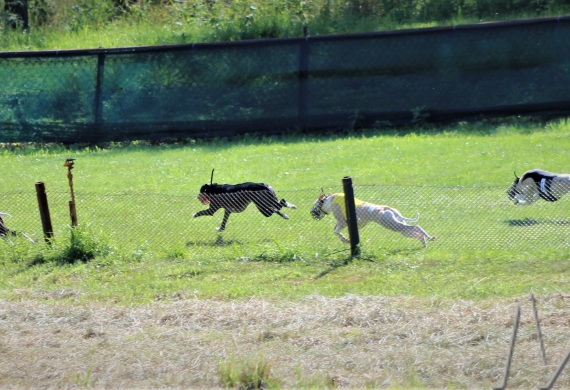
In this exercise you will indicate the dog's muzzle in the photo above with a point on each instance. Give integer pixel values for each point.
(317, 211)
(203, 199)
(512, 192)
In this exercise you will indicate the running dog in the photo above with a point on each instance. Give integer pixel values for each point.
(234, 198)
(385, 216)
(536, 184)
(5, 231)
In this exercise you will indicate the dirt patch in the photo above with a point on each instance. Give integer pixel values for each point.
(344, 342)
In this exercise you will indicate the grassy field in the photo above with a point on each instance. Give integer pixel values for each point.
(142, 295)
(146, 246)
(167, 301)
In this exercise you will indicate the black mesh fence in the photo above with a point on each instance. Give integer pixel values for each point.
(269, 86)
(462, 218)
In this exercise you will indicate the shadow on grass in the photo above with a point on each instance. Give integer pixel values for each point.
(336, 264)
(219, 241)
(532, 222)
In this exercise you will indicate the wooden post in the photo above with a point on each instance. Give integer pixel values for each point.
(351, 216)
(44, 212)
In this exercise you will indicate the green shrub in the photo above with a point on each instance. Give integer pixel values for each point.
(83, 245)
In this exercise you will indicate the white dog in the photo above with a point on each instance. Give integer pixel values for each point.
(385, 216)
(538, 184)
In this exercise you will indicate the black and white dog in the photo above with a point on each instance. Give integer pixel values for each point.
(5, 231)
(234, 198)
(536, 184)
(385, 216)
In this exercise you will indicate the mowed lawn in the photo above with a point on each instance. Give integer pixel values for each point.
(135, 205)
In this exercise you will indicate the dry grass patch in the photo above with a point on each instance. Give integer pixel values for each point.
(352, 341)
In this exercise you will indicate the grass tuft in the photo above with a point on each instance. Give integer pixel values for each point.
(253, 373)
(83, 245)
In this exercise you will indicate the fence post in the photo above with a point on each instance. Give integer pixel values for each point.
(511, 348)
(537, 322)
(351, 216)
(72, 210)
(44, 212)
(303, 76)
(98, 100)
(556, 373)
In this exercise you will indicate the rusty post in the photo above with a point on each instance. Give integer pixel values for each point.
(44, 212)
(72, 211)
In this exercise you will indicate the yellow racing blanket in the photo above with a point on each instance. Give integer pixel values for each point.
(339, 199)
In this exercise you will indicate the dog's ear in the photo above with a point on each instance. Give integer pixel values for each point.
(515, 172)
(322, 196)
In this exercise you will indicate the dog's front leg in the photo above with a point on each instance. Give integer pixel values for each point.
(224, 221)
(337, 228)
(208, 212)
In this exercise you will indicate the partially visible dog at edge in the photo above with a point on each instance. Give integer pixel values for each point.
(538, 184)
(234, 198)
(385, 216)
(5, 231)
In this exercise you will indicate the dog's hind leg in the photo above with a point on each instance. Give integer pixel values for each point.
(284, 203)
(400, 217)
(421, 235)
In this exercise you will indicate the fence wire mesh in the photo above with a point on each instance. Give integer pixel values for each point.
(268, 86)
(462, 218)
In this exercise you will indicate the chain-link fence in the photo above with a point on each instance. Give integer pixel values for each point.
(462, 218)
(268, 86)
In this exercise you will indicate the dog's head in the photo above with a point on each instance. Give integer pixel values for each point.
(205, 191)
(317, 211)
(514, 192)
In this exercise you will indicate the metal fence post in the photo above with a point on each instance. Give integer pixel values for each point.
(303, 76)
(44, 212)
(98, 100)
(537, 322)
(556, 373)
(351, 216)
(511, 348)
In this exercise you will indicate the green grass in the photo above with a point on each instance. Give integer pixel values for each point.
(135, 204)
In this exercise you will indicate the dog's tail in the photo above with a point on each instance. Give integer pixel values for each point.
(416, 219)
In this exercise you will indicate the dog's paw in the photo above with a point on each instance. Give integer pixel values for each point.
(195, 215)
(220, 229)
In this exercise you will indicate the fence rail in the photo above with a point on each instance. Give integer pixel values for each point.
(462, 218)
(268, 86)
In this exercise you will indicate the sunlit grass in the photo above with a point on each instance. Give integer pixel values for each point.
(172, 254)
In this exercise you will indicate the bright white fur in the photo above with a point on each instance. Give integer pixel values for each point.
(385, 216)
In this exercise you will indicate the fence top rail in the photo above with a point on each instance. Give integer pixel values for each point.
(285, 41)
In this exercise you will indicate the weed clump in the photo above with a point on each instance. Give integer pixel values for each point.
(253, 373)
